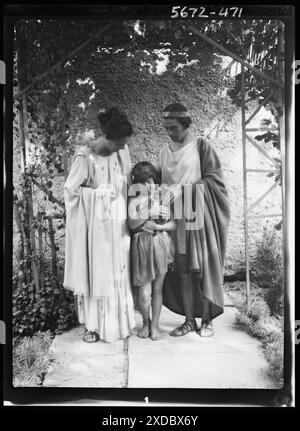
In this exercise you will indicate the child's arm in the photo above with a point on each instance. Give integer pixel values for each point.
(135, 220)
(170, 225)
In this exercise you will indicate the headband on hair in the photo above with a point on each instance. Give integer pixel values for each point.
(175, 114)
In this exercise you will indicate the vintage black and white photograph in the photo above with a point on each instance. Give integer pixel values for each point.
(149, 201)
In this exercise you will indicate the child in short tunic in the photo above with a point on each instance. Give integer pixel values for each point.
(152, 248)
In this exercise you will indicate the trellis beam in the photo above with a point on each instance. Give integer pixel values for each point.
(261, 150)
(256, 111)
(262, 129)
(267, 171)
(262, 197)
(247, 260)
(53, 247)
(264, 216)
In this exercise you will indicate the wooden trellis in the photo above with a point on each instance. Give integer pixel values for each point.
(37, 253)
(256, 64)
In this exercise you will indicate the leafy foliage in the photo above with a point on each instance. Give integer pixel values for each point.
(258, 322)
(46, 41)
(274, 351)
(49, 309)
(258, 309)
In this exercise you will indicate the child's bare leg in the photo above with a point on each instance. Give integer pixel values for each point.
(145, 303)
(157, 300)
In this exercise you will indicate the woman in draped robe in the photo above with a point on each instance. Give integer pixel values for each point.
(189, 163)
(97, 253)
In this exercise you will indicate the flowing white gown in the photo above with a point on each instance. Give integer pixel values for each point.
(97, 258)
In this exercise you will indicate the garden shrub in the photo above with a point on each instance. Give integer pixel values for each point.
(52, 308)
(243, 320)
(258, 309)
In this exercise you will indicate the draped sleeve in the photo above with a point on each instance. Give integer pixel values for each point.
(76, 268)
(216, 202)
(78, 177)
(87, 216)
(206, 247)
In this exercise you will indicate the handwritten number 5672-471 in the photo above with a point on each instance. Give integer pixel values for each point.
(201, 12)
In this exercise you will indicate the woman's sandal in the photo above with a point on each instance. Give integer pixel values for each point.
(188, 326)
(90, 336)
(206, 329)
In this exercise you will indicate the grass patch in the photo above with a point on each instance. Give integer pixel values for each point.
(268, 270)
(258, 321)
(31, 359)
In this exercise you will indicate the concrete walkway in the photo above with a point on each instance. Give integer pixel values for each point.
(230, 359)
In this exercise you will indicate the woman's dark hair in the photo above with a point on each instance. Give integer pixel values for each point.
(115, 124)
(143, 171)
(179, 107)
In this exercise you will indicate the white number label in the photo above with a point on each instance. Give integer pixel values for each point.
(174, 11)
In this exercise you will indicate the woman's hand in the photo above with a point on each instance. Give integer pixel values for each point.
(156, 211)
(105, 194)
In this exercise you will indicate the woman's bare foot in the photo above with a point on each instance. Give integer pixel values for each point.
(144, 331)
(155, 333)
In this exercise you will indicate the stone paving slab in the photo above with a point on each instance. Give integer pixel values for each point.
(80, 364)
(230, 359)
(208, 371)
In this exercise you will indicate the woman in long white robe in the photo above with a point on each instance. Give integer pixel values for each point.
(97, 258)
